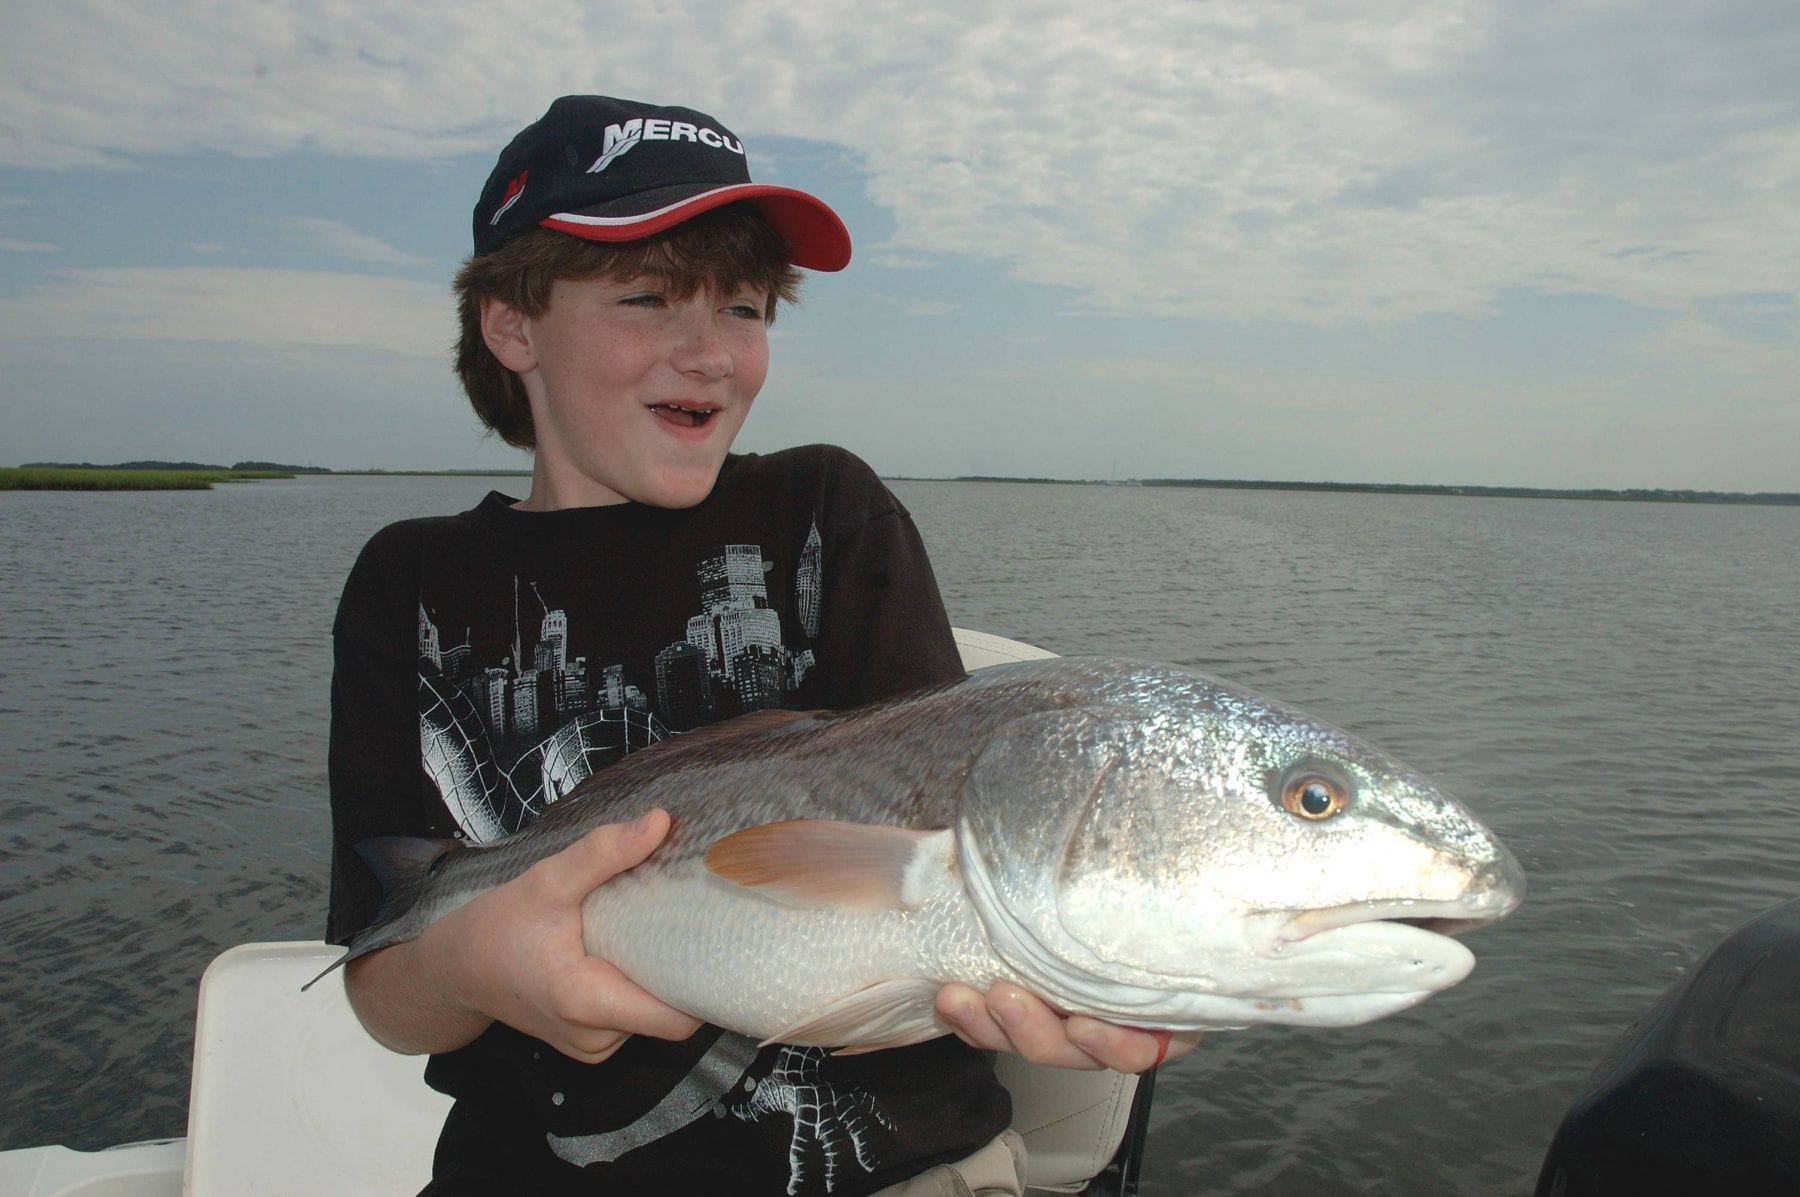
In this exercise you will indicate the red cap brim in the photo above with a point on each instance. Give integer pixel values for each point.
(814, 233)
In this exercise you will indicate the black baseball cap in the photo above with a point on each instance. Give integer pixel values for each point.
(620, 170)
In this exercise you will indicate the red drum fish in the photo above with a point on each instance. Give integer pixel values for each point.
(1141, 843)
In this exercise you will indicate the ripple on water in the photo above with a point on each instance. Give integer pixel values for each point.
(1608, 685)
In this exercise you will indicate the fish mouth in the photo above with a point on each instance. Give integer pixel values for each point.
(1438, 918)
(1488, 894)
(1344, 965)
(1478, 907)
(1443, 926)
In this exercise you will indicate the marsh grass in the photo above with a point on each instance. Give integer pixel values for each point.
(72, 478)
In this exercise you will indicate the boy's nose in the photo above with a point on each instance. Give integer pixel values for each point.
(700, 350)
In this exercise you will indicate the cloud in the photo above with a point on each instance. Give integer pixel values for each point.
(339, 240)
(1313, 162)
(269, 309)
(1720, 354)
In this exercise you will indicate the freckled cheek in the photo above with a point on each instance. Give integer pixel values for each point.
(752, 367)
(751, 382)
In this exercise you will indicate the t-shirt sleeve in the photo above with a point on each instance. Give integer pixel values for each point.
(374, 755)
(883, 629)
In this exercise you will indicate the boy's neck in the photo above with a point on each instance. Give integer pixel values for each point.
(549, 493)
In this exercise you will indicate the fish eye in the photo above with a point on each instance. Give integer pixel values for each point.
(1313, 795)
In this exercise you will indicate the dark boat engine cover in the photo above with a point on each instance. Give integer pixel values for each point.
(1702, 1094)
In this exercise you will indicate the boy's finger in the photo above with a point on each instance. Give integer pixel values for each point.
(602, 854)
(606, 998)
(1037, 1032)
(1122, 1049)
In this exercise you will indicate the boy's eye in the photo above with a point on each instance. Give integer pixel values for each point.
(643, 299)
(747, 311)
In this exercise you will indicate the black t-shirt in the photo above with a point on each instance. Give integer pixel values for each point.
(486, 662)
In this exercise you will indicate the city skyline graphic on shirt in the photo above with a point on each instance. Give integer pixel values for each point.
(504, 740)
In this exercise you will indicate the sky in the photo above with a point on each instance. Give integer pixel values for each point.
(1482, 242)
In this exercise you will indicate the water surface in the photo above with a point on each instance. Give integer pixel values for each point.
(1611, 686)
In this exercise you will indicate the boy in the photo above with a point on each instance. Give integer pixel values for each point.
(614, 322)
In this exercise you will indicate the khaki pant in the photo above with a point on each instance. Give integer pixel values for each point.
(997, 1170)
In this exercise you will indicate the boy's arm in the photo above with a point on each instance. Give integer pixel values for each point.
(442, 990)
(514, 955)
(377, 781)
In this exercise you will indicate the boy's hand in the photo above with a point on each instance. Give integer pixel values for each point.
(1010, 1020)
(514, 955)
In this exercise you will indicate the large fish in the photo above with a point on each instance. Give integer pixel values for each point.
(1140, 843)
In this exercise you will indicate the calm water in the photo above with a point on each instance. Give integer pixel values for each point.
(1612, 687)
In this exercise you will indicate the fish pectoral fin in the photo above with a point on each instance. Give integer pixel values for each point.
(825, 864)
(886, 1014)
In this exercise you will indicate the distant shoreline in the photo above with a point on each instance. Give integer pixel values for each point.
(1591, 494)
(157, 475)
(186, 475)
(117, 478)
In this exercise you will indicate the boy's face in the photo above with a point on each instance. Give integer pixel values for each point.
(637, 395)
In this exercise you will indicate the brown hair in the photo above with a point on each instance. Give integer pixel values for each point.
(726, 248)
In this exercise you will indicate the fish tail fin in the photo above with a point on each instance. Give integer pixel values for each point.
(402, 865)
(340, 962)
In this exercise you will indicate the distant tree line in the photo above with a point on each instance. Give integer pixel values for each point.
(1638, 494)
(256, 466)
(1650, 495)
(274, 466)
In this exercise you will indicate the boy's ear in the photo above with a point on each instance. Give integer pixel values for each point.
(508, 337)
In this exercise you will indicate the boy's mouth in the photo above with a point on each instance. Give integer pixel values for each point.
(688, 417)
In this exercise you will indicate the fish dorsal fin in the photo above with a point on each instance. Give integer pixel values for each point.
(891, 1013)
(704, 745)
(825, 864)
(748, 724)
